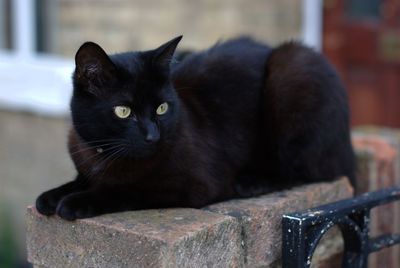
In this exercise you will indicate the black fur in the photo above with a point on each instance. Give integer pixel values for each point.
(243, 119)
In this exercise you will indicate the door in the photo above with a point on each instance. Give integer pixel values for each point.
(362, 39)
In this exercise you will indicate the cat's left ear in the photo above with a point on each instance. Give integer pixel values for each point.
(92, 63)
(163, 55)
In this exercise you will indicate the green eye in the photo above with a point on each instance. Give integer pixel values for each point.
(162, 109)
(122, 111)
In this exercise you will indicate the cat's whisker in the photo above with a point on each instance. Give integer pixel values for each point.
(116, 156)
(102, 140)
(99, 149)
(110, 158)
(94, 147)
(105, 154)
(98, 141)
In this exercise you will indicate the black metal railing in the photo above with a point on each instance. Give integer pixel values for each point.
(301, 231)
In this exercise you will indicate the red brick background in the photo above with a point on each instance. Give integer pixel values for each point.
(379, 167)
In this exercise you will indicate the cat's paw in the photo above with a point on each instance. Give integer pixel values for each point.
(46, 203)
(75, 206)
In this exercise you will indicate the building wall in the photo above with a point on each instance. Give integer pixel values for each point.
(128, 25)
(33, 158)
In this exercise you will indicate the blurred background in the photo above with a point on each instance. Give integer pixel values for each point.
(38, 40)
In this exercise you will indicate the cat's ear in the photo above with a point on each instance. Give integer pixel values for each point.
(92, 63)
(163, 55)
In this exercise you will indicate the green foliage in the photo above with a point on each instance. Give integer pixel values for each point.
(8, 248)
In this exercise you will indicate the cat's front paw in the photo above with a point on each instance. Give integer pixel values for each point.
(47, 202)
(75, 206)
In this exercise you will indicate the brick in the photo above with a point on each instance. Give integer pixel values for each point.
(78, 21)
(149, 238)
(377, 151)
(261, 217)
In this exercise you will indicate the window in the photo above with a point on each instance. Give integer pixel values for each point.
(31, 81)
(5, 25)
(363, 9)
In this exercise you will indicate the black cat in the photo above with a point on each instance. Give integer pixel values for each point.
(236, 120)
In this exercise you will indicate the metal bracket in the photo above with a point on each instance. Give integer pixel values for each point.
(301, 231)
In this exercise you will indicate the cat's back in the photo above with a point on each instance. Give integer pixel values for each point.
(224, 79)
(230, 57)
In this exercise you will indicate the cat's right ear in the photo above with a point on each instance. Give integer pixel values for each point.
(163, 55)
(92, 63)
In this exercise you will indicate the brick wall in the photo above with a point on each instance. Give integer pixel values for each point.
(379, 167)
(139, 24)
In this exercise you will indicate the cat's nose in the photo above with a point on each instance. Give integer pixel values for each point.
(152, 137)
(150, 131)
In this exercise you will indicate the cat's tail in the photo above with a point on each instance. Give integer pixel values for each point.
(307, 116)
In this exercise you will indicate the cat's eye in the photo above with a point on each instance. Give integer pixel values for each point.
(162, 109)
(122, 111)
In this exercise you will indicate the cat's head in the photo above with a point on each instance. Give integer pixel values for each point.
(125, 103)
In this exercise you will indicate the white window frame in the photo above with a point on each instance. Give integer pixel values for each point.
(312, 20)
